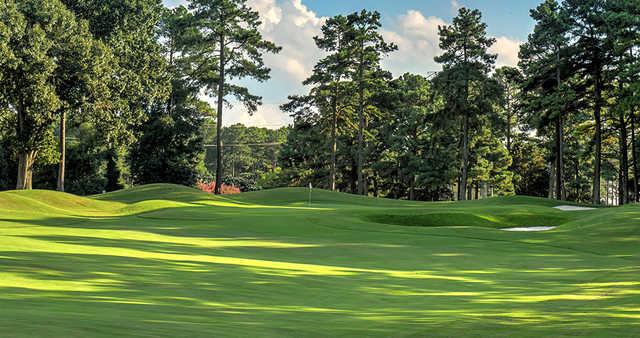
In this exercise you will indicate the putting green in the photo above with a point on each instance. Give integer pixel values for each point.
(165, 260)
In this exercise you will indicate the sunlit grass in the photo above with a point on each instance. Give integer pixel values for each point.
(165, 260)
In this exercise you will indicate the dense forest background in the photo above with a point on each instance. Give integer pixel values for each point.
(96, 96)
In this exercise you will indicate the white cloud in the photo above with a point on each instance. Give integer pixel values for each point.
(455, 4)
(418, 43)
(270, 13)
(267, 116)
(507, 51)
(291, 25)
(293, 31)
(417, 39)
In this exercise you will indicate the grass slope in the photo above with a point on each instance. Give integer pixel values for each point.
(165, 260)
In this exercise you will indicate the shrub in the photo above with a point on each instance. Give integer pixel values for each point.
(225, 189)
(244, 183)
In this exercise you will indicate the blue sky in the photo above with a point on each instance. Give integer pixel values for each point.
(508, 18)
(411, 24)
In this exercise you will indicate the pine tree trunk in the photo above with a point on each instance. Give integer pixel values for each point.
(509, 129)
(465, 127)
(63, 149)
(634, 156)
(578, 187)
(218, 186)
(559, 186)
(484, 190)
(361, 123)
(559, 139)
(465, 155)
(598, 139)
(334, 147)
(412, 195)
(354, 177)
(624, 162)
(552, 178)
(375, 186)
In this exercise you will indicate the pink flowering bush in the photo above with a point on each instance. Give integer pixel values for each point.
(225, 189)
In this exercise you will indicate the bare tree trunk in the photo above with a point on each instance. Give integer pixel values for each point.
(334, 146)
(477, 196)
(412, 195)
(578, 187)
(559, 163)
(552, 178)
(634, 156)
(484, 190)
(559, 139)
(354, 176)
(509, 129)
(465, 155)
(465, 132)
(25, 170)
(361, 124)
(598, 139)
(217, 189)
(63, 149)
(375, 186)
(624, 162)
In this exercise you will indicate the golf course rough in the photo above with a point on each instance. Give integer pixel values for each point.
(170, 261)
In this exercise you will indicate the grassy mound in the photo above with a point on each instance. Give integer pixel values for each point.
(495, 220)
(165, 260)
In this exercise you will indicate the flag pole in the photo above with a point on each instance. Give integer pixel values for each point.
(310, 188)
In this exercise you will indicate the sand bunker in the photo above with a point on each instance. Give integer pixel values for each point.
(572, 208)
(529, 229)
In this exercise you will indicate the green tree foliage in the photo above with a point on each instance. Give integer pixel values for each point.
(251, 152)
(330, 93)
(170, 146)
(622, 20)
(543, 59)
(365, 47)
(113, 171)
(464, 80)
(510, 79)
(129, 28)
(416, 139)
(301, 159)
(230, 36)
(592, 47)
(4, 167)
(50, 70)
(529, 166)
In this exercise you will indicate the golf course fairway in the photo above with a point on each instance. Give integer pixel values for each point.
(170, 261)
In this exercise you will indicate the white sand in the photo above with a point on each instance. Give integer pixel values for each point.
(529, 229)
(571, 208)
(560, 207)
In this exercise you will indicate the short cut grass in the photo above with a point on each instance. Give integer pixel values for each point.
(166, 260)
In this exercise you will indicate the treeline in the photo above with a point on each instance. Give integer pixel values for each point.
(122, 82)
(559, 125)
(97, 95)
(252, 155)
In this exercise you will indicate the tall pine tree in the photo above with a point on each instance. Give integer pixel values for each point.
(466, 65)
(232, 42)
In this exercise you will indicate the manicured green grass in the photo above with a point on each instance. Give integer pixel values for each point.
(164, 260)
